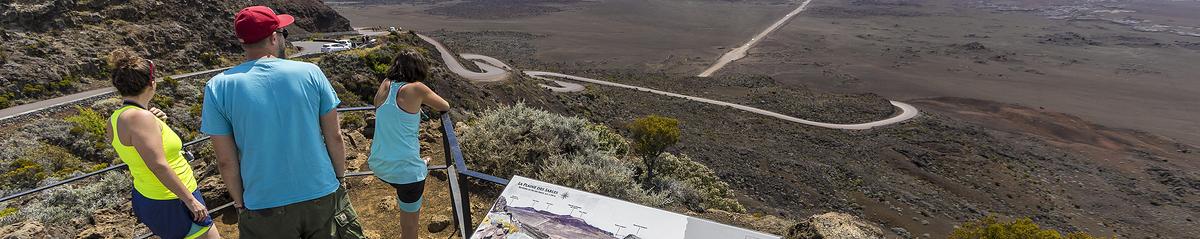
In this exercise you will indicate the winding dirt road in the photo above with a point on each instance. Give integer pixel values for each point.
(496, 70)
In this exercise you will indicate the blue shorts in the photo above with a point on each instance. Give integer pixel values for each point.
(169, 219)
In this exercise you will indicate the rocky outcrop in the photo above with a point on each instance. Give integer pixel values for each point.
(57, 47)
(835, 225)
(311, 15)
(23, 230)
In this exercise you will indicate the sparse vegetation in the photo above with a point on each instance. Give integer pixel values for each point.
(518, 140)
(352, 121)
(991, 228)
(651, 136)
(694, 184)
(89, 124)
(35, 165)
(7, 211)
(64, 204)
(5, 102)
(210, 59)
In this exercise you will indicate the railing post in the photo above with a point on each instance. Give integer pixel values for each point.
(459, 187)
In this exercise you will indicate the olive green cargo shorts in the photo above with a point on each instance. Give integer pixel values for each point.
(330, 217)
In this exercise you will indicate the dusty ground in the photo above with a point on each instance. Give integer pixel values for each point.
(1100, 70)
(654, 34)
(962, 159)
(1093, 64)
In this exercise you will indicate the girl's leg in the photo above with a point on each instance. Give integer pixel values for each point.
(409, 224)
(409, 196)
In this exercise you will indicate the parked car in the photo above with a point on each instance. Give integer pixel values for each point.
(334, 47)
(348, 43)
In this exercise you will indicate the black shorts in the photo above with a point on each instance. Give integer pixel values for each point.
(409, 195)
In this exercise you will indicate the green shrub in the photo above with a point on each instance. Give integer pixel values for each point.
(651, 136)
(696, 180)
(93, 127)
(353, 121)
(518, 140)
(209, 59)
(22, 174)
(70, 202)
(88, 121)
(170, 82)
(196, 110)
(610, 140)
(3, 57)
(163, 101)
(37, 164)
(33, 90)
(4, 102)
(65, 84)
(990, 228)
(7, 211)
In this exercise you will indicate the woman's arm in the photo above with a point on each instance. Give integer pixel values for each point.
(381, 93)
(146, 137)
(432, 98)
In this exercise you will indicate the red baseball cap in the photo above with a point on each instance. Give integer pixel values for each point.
(253, 24)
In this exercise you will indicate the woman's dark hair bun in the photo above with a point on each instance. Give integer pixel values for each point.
(129, 73)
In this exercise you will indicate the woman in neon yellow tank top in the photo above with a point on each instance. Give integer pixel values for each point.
(165, 197)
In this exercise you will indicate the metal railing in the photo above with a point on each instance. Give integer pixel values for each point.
(458, 175)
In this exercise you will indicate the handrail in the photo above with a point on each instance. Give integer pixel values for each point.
(123, 165)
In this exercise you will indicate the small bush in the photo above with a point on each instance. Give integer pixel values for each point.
(598, 173)
(7, 211)
(88, 121)
(210, 59)
(63, 204)
(93, 127)
(196, 110)
(33, 90)
(163, 101)
(170, 82)
(651, 136)
(65, 84)
(353, 121)
(990, 228)
(22, 174)
(37, 164)
(702, 182)
(518, 140)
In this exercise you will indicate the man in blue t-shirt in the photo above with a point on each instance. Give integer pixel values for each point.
(274, 126)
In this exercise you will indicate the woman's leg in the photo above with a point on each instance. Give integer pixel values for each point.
(212, 233)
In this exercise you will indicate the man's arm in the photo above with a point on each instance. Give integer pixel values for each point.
(331, 128)
(230, 166)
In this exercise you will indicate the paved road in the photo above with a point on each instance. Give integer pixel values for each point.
(739, 52)
(72, 98)
(20, 110)
(490, 73)
(491, 66)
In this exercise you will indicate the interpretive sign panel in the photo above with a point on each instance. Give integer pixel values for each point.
(534, 209)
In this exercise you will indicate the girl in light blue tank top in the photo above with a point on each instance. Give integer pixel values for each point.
(395, 149)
